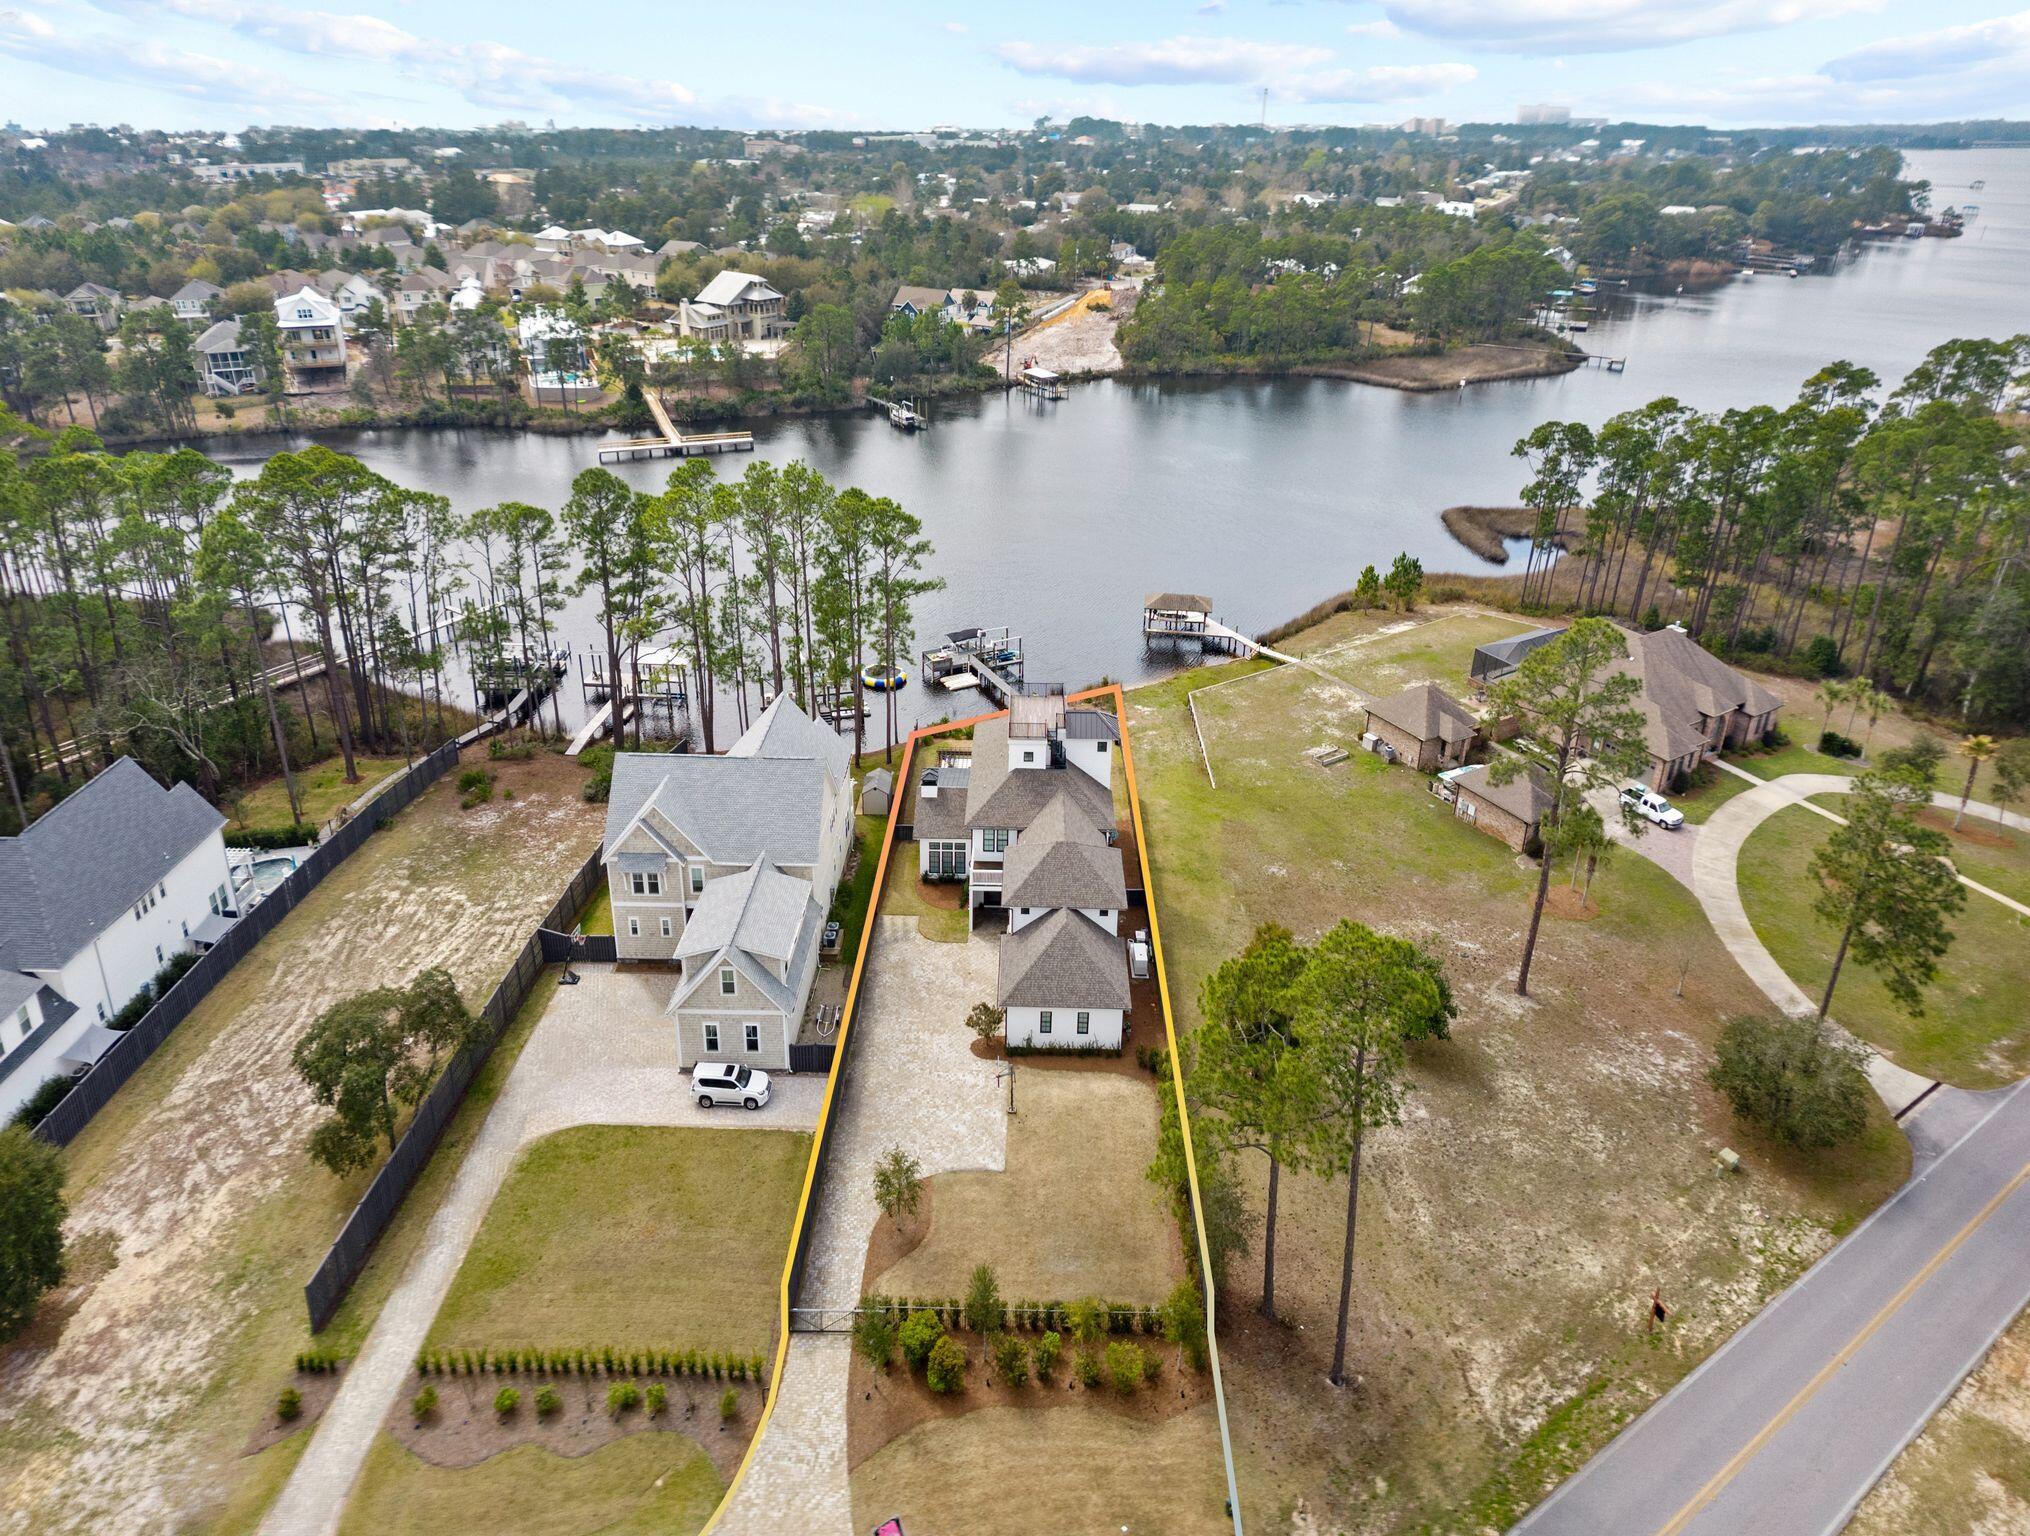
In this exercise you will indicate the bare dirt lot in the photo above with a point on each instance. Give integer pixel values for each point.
(1556, 1158)
(195, 1205)
(1078, 343)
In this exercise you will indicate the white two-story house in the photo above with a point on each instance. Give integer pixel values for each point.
(734, 306)
(725, 867)
(95, 897)
(312, 340)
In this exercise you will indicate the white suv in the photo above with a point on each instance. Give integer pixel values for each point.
(719, 1082)
(1650, 805)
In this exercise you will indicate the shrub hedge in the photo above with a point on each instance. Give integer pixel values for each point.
(606, 1361)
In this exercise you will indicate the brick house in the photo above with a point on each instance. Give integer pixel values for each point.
(1426, 727)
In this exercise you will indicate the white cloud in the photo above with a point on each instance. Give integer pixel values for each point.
(1382, 82)
(1381, 28)
(1602, 26)
(149, 62)
(1172, 61)
(2004, 40)
(956, 28)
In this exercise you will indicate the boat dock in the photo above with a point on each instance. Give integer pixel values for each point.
(673, 444)
(1185, 618)
(654, 686)
(989, 659)
(1042, 383)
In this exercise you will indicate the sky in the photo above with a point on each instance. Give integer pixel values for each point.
(223, 64)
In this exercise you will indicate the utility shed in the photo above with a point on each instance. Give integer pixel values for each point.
(877, 791)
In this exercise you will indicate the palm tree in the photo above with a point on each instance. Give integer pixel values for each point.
(1976, 749)
(1832, 694)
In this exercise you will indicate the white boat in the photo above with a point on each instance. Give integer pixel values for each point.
(905, 417)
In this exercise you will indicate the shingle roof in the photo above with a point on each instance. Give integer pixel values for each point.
(781, 994)
(1524, 797)
(942, 818)
(767, 794)
(919, 298)
(1065, 960)
(90, 859)
(729, 287)
(1427, 712)
(1004, 797)
(194, 291)
(1178, 602)
(1063, 860)
(758, 910)
(1682, 680)
(221, 336)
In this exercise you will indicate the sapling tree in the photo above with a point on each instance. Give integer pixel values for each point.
(986, 1021)
(898, 1185)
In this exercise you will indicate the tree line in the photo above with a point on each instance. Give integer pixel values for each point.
(1848, 532)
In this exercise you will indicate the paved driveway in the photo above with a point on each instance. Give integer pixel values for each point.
(910, 1080)
(602, 1054)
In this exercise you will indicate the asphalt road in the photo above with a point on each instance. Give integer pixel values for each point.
(1790, 1423)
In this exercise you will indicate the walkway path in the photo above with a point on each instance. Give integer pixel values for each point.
(601, 1055)
(910, 1081)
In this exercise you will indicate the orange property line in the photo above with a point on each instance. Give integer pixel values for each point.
(902, 777)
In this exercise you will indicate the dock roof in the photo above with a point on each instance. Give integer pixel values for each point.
(1177, 602)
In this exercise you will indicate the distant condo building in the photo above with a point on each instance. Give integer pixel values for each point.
(1542, 112)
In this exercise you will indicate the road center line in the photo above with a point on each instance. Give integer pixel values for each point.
(1747, 1453)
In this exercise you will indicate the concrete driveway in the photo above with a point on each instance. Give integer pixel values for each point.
(602, 1054)
(910, 1079)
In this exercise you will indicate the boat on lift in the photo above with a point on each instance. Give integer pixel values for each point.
(905, 417)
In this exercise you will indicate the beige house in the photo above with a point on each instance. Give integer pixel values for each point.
(1425, 726)
(734, 306)
(724, 867)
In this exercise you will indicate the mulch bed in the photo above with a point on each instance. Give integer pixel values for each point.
(892, 1242)
(948, 895)
(465, 1430)
(879, 1406)
(1976, 830)
(1566, 903)
(318, 1389)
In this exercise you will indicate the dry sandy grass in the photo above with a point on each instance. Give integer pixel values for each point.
(1555, 1162)
(1072, 1216)
(137, 1411)
(1014, 1471)
(635, 1237)
(1968, 1474)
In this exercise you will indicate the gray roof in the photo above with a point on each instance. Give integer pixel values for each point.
(766, 795)
(1682, 681)
(1427, 712)
(781, 994)
(1091, 725)
(1065, 960)
(197, 289)
(1498, 658)
(1178, 602)
(758, 910)
(943, 818)
(57, 1011)
(91, 858)
(16, 988)
(1005, 797)
(877, 778)
(1063, 860)
(222, 336)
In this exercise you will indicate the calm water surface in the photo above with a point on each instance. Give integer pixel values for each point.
(1056, 518)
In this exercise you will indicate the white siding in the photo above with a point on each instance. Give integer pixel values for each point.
(1024, 1027)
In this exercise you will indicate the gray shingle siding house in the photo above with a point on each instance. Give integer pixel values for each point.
(725, 866)
(94, 898)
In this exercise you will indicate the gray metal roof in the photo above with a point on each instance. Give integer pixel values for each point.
(64, 880)
(1497, 658)
(1091, 725)
(1065, 960)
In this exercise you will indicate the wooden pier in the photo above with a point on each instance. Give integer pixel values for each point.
(1184, 618)
(673, 444)
(990, 659)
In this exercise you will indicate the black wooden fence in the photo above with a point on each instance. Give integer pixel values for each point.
(383, 1197)
(124, 1058)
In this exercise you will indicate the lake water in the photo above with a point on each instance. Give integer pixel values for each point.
(1056, 518)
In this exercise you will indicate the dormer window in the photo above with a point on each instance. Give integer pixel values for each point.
(727, 986)
(697, 879)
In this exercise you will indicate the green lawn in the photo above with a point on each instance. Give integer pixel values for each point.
(638, 1237)
(1438, 650)
(1715, 789)
(1555, 1157)
(598, 916)
(1973, 1031)
(651, 1484)
(904, 897)
(855, 894)
(320, 787)
(1793, 759)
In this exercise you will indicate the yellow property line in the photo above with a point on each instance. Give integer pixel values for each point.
(924, 734)
(1791, 1409)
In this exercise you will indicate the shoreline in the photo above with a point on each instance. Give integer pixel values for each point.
(1485, 531)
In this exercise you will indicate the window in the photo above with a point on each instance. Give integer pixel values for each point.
(753, 1037)
(1085, 1023)
(646, 883)
(697, 879)
(666, 928)
(102, 1013)
(1043, 1022)
(726, 984)
(158, 954)
(1028, 756)
(214, 901)
(634, 927)
(163, 889)
(994, 840)
(1101, 745)
(712, 1037)
(947, 859)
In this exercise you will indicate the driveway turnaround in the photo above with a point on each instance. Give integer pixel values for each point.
(1787, 1427)
(909, 1080)
(602, 1054)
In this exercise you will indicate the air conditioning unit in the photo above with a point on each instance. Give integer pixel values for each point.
(1369, 741)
